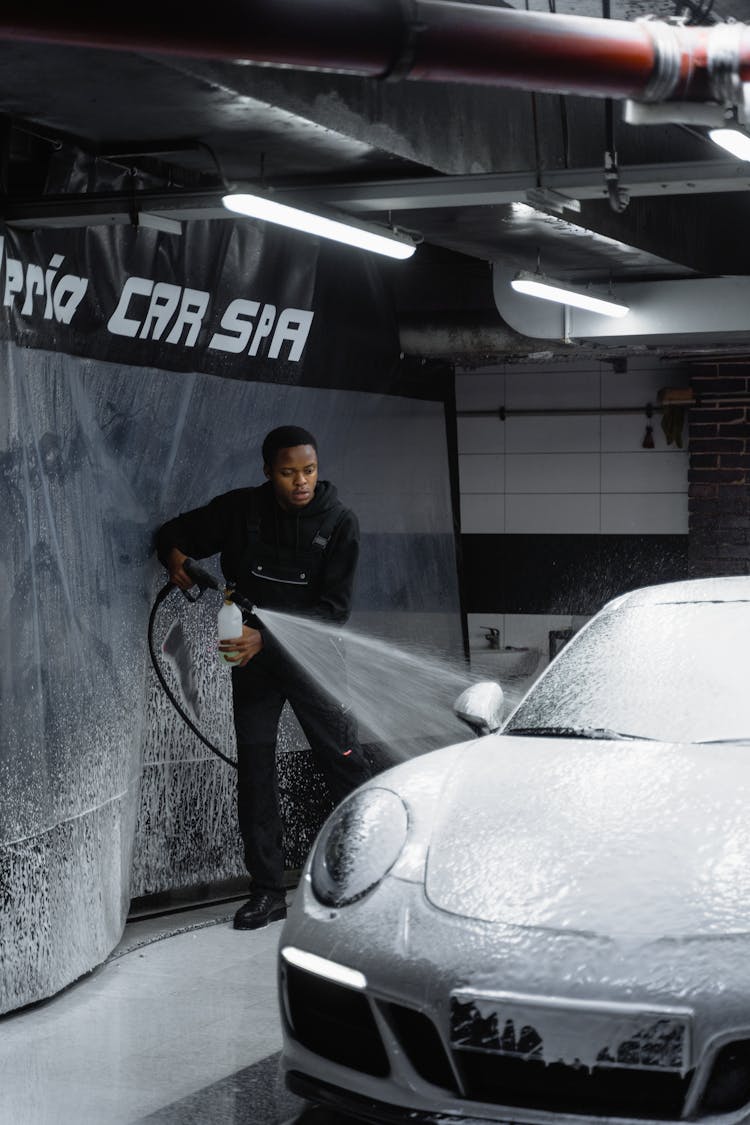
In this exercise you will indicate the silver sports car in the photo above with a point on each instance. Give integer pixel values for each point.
(551, 923)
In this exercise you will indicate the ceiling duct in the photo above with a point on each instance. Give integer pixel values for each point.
(701, 310)
(472, 338)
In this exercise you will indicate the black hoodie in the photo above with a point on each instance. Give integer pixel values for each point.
(248, 523)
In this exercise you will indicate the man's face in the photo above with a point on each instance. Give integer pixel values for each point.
(293, 475)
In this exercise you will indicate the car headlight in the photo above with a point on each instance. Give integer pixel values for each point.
(358, 846)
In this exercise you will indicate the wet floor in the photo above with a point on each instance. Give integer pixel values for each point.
(177, 1028)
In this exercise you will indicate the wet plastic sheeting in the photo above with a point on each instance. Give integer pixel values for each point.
(72, 576)
(93, 457)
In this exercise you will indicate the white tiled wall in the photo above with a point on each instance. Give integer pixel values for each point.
(565, 473)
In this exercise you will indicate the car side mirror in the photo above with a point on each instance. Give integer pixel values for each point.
(481, 706)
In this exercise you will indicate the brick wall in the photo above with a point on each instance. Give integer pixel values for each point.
(719, 475)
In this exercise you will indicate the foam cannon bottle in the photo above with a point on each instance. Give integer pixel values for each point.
(229, 624)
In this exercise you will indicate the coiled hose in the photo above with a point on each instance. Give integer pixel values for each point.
(160, 598)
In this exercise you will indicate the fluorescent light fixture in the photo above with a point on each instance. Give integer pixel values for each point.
(537, 285)
(322, 967)
(364, 237)
(733, 141)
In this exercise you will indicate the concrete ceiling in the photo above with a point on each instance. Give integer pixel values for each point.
(459, 164)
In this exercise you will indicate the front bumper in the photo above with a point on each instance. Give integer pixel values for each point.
(363, 1109)
(388, 1044)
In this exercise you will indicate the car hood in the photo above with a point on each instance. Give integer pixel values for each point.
(617, 839)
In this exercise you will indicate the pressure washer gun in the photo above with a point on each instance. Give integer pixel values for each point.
(204, 580)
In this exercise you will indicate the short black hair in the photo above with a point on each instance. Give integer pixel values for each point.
(285, 437)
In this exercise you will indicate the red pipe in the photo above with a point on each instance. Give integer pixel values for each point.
(424, 40)
(540, 51)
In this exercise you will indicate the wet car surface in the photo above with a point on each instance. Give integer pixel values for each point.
(551, 922)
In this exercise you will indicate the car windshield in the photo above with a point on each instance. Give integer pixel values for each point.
(675, 672)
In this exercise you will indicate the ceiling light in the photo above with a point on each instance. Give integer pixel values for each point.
(548, 289)
(733, 141)
(390, 243)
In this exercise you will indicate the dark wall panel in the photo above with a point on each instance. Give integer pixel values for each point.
(565, 574)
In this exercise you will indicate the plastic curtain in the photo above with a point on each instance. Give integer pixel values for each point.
(93, 457)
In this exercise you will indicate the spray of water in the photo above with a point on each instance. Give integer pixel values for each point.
(401, 698)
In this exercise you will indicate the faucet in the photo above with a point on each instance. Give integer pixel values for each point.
(492, 636)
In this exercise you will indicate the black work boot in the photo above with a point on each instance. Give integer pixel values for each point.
(261, 908)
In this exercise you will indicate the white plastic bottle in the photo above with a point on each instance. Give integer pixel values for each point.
(230, 626)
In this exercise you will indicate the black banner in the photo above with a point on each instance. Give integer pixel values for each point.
(242, 300)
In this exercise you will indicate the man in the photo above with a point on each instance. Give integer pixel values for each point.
(288, 545)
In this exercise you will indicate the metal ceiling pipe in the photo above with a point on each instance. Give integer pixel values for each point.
(423, 40)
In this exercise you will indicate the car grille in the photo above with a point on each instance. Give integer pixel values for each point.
(639, 1067)
(556, 1088)
(423, 1047)
(728, 1086)
(333, 1021)
(531, 1084)
(559, 1088)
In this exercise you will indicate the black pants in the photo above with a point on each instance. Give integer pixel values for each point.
(259, 691)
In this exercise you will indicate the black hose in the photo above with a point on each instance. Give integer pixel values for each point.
(161, 596)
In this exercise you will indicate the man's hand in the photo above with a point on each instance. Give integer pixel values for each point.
(177, 576)
(240, 650)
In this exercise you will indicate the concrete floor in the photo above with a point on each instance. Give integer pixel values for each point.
(175, 1029)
